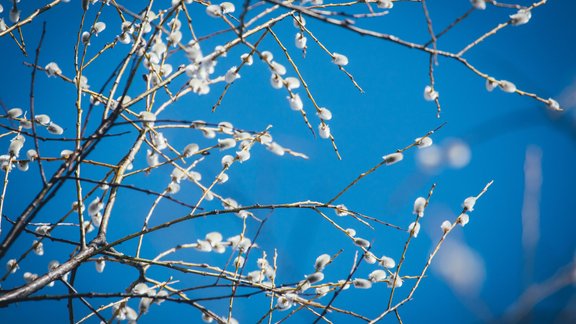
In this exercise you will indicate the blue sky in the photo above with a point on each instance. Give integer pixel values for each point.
(498, 127)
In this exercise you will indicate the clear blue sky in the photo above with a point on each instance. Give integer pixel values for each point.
(499, 128)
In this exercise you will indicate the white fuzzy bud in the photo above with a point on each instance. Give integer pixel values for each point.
(159, 141)
(148, 118)
(243, 155)
(98, 27)
(12, 265)
(267, 56)
(173, 188)
(414, 229)
(32, 155)
(255, 276)
(247, 59)
(214, 11)
(463, 219)
(361, 242)
(231, 75)
(478, 4)
(446, 225)
(226, 143)
(38, 248)
(283, 303)
(370, 258)
(262, 263)
(341, 210)
(387, 262)
(227, 160)
(43, 120)
(423, 142)
(553, 104)
(339, 59)
(362, 283)
(207, 318)
(29, 277)
(152, 158)
(377, 275)
(321, 262)
(315, 277)
(227, 7)
(385, 4)
(469, 203)
(14, 113)
(296, 103)
(26, 124)
(23, 166)
(491, 84)
(86, 38)
(276, 81)
(141, 289)
(292, 83)
(240, 243)
(299, 21)
(324, 113)
(393, 158)
(430, 94)
(322, 291)
(16, 145)
(14, 15)
(521, 17)
(395, 281)
(419, 205)
(324, 130)
(95, 206)
(161, 296)
(144, 304)
(190, 150)
(507, 86)
(54, 129)
(42, 230)
(239, 261)
(300, 41)
(96, 219)
(277, 68)
(213, 238)
(100, 265)
(350, 231)
(276, 148)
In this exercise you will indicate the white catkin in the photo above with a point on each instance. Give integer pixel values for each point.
(321, 262)
(430, 94)
(393, 158)
(445, 226)
(479, 4)
(387, 262)
(362, 283)
(424, 142)
(463, 219)
(339, 59)
(521, 17)
(419, 205)
(362, 242)
(553, 104)
(100, 265)
(14, 113)
(469, 203)
(414, 229)
(12, 266)
(377, 275)
(315, 277)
